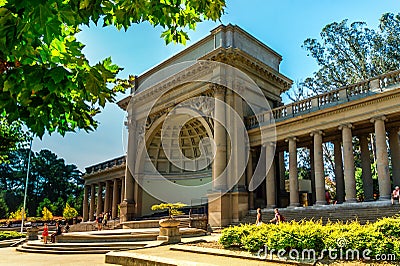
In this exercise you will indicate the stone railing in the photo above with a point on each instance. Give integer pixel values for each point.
(358, 90)
(108, 164)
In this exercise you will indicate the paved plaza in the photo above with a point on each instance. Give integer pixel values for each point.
(11, 257)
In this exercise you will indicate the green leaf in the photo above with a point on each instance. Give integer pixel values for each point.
(57, 74)
(8, 85)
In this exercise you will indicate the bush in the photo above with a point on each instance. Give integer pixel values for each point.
(10, 235)
(232, 236)
(381, 237)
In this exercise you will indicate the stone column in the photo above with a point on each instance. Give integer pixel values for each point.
(349, 167)
(366, 169)
(219, 202)
(382, 161)
(219, 165)
(293, 178)
(249, 176)
(92, 199)
(312, 174)
(107, 199)
(85, 203)
(281, 170)
(99, 199)
(122, 189)
(339, 171)
(114, 210)
(270, 180)
(319, 169)
(395, 155)
(127, 207)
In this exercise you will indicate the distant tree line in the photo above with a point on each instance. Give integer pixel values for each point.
(51, 184)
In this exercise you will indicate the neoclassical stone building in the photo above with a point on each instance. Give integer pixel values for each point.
(208, 127)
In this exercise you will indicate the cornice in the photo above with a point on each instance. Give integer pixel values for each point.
(229, 56)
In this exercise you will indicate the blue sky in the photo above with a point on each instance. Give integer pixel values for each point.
(282, 25)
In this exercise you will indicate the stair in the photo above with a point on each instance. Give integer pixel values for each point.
(100, 242)
(77, 248)
(363, 212)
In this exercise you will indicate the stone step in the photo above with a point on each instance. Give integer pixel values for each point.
(65, 252)
(76, 248)
(40, 245)
(363, 212)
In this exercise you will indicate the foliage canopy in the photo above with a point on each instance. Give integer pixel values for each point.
(351, 53)
(45, 79)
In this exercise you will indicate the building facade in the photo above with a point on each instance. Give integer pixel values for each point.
(208, 126)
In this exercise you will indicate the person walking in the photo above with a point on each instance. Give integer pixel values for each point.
(99, 221)
(259, 217)
(278, 218)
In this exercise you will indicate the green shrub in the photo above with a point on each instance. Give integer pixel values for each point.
(381, 237)
(10, 235)
(232, 236)
(388, 226)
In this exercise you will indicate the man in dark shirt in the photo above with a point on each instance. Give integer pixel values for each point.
(56, 233)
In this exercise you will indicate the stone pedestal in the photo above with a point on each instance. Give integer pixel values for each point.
(127, 211)
(240, 205)
(170, 235)
(32, 233)
(219, 209)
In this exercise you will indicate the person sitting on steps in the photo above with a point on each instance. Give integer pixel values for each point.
(396, 194)
(56, 233)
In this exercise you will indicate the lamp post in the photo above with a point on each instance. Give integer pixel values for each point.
(26, 186)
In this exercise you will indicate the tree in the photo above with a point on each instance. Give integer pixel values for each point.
(47, 215)
(3, 207)
(349, 54)
(51, 182)
(69, 212)
(47, 82)
(12, 137)
(173, 208)
(45, 204)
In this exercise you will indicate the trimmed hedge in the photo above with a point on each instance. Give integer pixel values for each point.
(381, 237)
(10, 235)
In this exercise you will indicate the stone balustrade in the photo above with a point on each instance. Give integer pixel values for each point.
(355, 91)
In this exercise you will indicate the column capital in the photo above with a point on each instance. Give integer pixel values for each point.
(269, 143)
(291, 138)
(378, 118)
(350, 126)
(218, 89)
(317, 132)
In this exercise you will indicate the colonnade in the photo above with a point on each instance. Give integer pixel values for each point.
(343, 161)
(94, 203)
